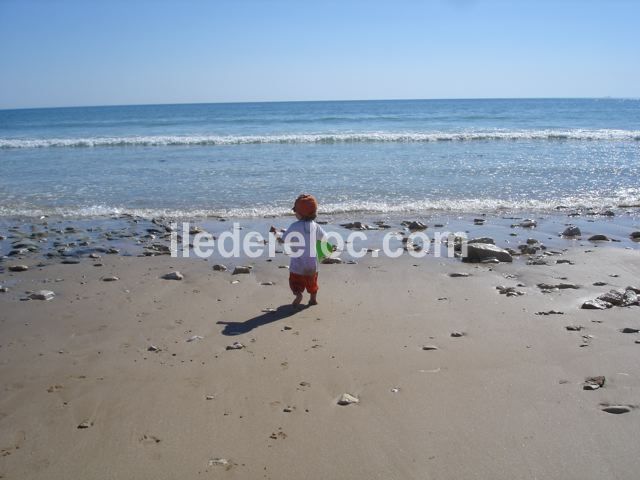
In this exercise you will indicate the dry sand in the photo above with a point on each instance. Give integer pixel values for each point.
(504, 401)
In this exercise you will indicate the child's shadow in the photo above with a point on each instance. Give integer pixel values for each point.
(238, 328)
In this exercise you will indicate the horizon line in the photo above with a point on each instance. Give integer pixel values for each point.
(606, 97)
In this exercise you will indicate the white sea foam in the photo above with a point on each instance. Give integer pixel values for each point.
(329, 138)
(454, 206)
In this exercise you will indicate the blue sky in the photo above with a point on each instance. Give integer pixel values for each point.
(63, 52)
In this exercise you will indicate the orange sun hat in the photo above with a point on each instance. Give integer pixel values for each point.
(306, 205)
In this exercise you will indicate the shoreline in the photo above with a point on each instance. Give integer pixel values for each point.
(110, 367)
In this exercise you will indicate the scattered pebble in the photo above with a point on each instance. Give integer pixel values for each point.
(347, 399)
(458, 274)
(220, 268)
(241, 270)
(42, 295)
(458, 334)
(194, 338)
(630, 330)
(18, 268)
(85, 424)
(593, 383)
(110, 279)
(429, 347)
(153, 348)
(235, 346)
(616, 409)
(173, 276)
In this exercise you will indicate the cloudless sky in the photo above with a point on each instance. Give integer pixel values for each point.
(85, 52)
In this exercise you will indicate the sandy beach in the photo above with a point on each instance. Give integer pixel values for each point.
(134, 377)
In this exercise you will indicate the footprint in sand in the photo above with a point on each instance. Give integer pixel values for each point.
(149, 439)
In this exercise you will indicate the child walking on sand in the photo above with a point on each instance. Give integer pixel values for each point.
(302, 236)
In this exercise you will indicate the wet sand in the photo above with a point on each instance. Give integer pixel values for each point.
(124, 360)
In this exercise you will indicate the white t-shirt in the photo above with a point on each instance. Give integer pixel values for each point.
(303, 258)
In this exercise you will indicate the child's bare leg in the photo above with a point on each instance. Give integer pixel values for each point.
(313, 300)
(298, 299)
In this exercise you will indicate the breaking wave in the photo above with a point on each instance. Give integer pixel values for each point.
(458, 206)
(329, 138)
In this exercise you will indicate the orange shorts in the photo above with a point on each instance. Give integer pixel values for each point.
(298, 283)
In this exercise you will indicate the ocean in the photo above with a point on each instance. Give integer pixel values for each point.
(251, 160)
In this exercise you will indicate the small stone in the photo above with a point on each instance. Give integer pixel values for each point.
(42, 295)
(153, 348)
(593, 383)
(241, 270)
(457, 334)
(18, 268)
(599, 284)
(173, 276)
(574, 328)
(596, 305)
(267, 283)
(458, 274)
(528, 223)
(194, 338)
(94, 255)
(564, 261)
(429, 347)
(3, 289)
(571, 231)
(85, 424)
(616, 409)
(110, 279)
(416, 226)
(347, 399)
(219, 462)
(599, 238)
(629, 330)
(550, 312)
(287, 409)
(635, 236)
(220, 268)
(478, 252)
(331, 261)
(235, 346)
(209, 397)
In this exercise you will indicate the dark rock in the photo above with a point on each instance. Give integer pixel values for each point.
(220, 268)
(571, 231)
(173, 276)
(18, 268)
(616, 409)
(241, 270)
(477, 252)
(599, 238)
(629, 330)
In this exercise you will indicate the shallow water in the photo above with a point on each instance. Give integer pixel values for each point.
(376, 157)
